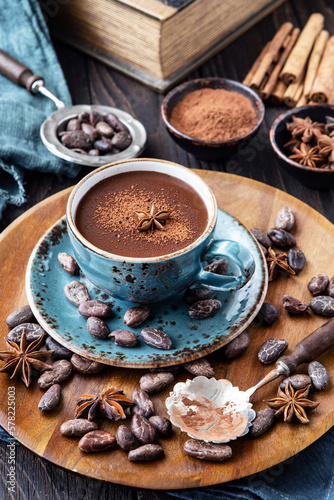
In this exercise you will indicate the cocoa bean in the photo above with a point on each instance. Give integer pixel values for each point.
(207, 451)
(217, 267)
(68, 263)
(33, 331)
(154, 382)
(262, 422)
(143, 403)
(156, 338)
(96, 441)
(50, 399)
(296, 259)
(73, 124)
(204, 308)
(60, 352)
(271, 350)
(282, 239)
(298, 381)
(162, 425)
(76, 139)
(294, 306)
(124, 338)
(76, 292)
(322, 305)
(142, 429)
(237, 347)
(97, 327)
(125, 439)
(121, 140)
(103, 146)
(77, 427)
(285, 219)
(95, 308)
(90, 131)
(86, 366)
(200, 367)
(318, 375)
(192, 295)
(95, 117)
(21, 315)
(115, 122)
(83, 117)
(261, 237)
(104, 129)
(330, 287)
(267, 315)
(147, 452)
(318, 284)
(61, 371)
(136, 315)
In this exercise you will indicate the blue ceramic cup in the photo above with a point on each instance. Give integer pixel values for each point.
(154, 279)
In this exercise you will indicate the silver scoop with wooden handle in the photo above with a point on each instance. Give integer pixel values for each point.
(57, 121)
(215, 411)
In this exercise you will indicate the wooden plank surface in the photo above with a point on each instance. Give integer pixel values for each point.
(255, 205)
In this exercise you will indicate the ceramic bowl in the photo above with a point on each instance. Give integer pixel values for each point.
(316, 178)
(206, 150)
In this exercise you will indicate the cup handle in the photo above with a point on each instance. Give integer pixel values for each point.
(241, 266)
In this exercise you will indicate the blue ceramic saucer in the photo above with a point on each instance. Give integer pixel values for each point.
(191, 339)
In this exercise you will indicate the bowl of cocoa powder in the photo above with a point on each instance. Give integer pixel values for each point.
(211, 117)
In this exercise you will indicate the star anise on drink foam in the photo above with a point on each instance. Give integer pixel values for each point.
(307, 156)
(276, 260)
(108, 404)
(305, 129)
(155, 219)
(291, 403)
(22, 358)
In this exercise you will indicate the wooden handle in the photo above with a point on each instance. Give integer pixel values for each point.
(311, 346)
(17, 72)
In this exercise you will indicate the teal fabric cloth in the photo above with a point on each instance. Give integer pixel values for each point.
(24, 35)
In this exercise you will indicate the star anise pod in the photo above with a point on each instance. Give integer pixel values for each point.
(108, 404)
(22, 358)
(307, 156)
(154, 219)
(290, 403)
(326, 147)
(305, 129)
(292, 144)
(276, 260)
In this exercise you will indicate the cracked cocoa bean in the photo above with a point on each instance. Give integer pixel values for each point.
(204, 308)
(318, 375)
(33, 331)
(237, 347)
(296, 259)
(96, 441)
(136, 315)
(21, 315)
(298, 381)
(217, 267)
(192, 295)
(124, 338)
(154, 382)
(263, 421)
(77, 427)
(97, 328)
(207, 451)
(285, 219)
(50, 399)
(86, 366)
(76, 292)
(162, 425)
(95, 308)
(322, 305)
(60, 352)
(318, 284)
(200, 367)
(294, 306)
(142, 429)
(125, 439)
(147, 452)
(267, 315)
(261, 237)
(271, 350)
(281, 238)
(143, 404)
(68, 263)
(61, 371)
(156, 338)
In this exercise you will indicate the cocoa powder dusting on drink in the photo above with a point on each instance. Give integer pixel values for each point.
(213, 115)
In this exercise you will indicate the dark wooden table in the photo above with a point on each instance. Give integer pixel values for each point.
(92, 82)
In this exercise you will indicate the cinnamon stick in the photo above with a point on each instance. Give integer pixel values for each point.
(271, 55)
(302, 101)
(323, 86)
(297, 59)
(292, 93)
(278, 92)
(266, 92)
(248, 78)
(314, 61)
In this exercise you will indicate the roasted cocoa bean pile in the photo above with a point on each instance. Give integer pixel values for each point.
(94, 134)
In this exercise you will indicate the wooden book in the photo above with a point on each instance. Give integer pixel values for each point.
(155, 41)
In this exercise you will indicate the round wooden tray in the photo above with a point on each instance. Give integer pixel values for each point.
(255, 205)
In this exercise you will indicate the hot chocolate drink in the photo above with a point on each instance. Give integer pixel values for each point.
(141, 214)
